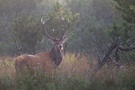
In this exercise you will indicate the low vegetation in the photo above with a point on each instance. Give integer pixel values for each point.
(72, 74)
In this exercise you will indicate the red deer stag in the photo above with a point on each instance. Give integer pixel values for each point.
(44, 60)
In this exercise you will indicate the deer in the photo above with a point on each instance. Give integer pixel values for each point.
(43, 60)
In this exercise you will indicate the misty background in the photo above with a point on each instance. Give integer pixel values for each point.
(88, 35)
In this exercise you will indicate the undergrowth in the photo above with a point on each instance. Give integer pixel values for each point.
(73, 74)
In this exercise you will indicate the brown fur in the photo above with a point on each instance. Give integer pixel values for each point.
(34, 62)
(46, 61)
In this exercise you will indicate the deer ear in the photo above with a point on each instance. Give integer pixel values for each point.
(64, 40)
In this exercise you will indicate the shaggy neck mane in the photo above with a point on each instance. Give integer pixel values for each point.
(56, 56)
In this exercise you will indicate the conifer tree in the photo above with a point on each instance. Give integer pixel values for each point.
(126, 29)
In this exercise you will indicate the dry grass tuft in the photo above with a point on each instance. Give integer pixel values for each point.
(7, 67)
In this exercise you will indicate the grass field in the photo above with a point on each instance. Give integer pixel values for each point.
(73, 74)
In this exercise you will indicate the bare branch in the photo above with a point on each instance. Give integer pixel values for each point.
(17, 46)
(105, 58)
(126, 48)
(115, 45)
(117, 57)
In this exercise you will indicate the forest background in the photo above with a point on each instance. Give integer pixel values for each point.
(95, 25)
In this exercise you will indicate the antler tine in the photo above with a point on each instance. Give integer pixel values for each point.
(44, 28)
(65, 31)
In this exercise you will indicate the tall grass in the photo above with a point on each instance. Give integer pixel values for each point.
(72, 74)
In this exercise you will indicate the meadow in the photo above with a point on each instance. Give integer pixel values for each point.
(72, 74)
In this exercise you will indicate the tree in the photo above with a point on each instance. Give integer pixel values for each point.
(95, 16)
(132, 7)
(61, 18)
(27, 32)
(126, 27)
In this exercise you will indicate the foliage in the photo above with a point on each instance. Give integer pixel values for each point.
(60, 18)
(27, 32)
(94, 18)
(132, 7)
(14, 7)
(125, 28)
(125, 8)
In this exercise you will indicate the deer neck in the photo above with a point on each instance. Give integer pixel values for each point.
(56, 56)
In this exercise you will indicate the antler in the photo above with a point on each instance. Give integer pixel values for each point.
(44, 27)
(65, 31)
(54, 38)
